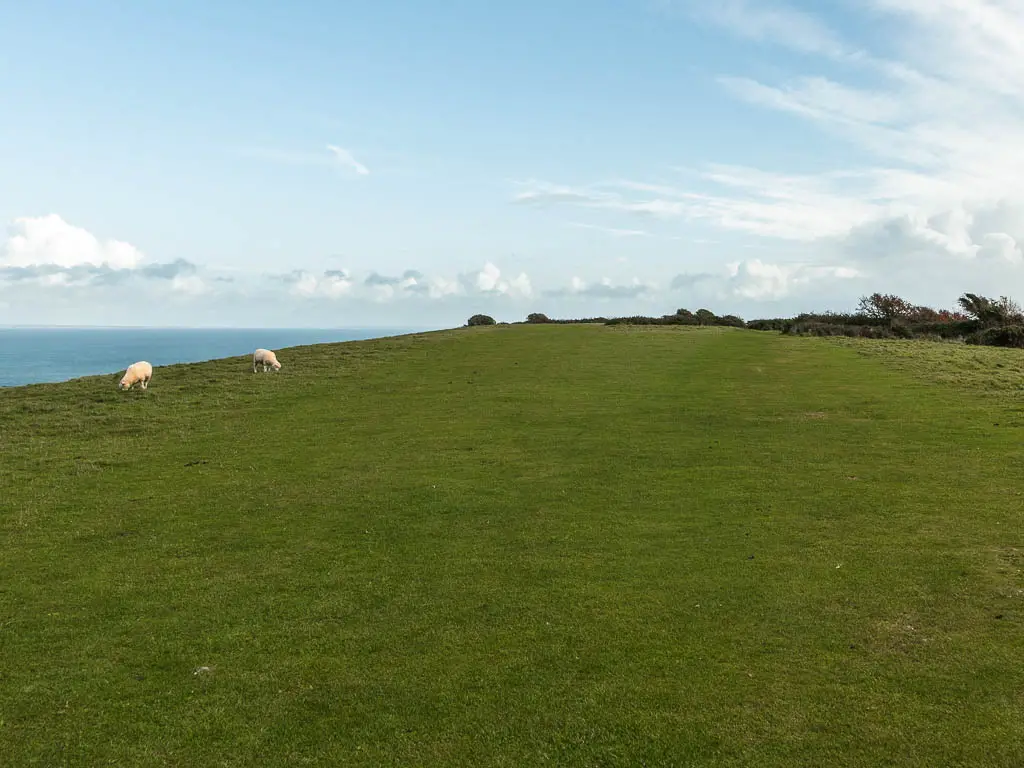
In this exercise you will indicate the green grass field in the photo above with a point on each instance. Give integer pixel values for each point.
(520, 546)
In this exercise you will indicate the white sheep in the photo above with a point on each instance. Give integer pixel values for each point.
(137, 373)
(265, 358)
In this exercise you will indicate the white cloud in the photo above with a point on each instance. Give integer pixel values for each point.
(50, 255)
(411, 283)
(613, 231)
(38, 240)
(754, 279)
(489, 281)
(336, 284)
(943, 125)
(773, 23)
(488, 278)
(345, 158)
(440, 287)
(331, 284)
(192, 285)
(542, 193)
(307, 285)
(336, 156)
(56, 278)
(775, 205)
(608, 196)
(999, 246)
(605, 289)
(936, 133)
(47, 251)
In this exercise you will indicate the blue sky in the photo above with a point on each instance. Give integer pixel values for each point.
(398, 163)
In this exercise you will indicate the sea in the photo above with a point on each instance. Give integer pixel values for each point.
(33, 355)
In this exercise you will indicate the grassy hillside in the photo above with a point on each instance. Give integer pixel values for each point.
(527, 545)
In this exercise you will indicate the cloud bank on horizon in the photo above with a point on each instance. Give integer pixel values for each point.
(912, 181)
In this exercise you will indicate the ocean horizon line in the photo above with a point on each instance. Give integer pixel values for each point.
(407, 329)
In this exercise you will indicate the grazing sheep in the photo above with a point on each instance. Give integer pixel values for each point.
(265, 358)
(137, 373)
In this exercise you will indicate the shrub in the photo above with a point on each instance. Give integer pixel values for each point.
(901, 331)
(1001, 311)
(732, 321)
(768, 324)
(685, 317)
(815, 328)
(840, 318)
(1004, 336)
(480, 320)
(875, 332)
(922, 315)
(947, 330)
(705, 316)
(886, 307)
